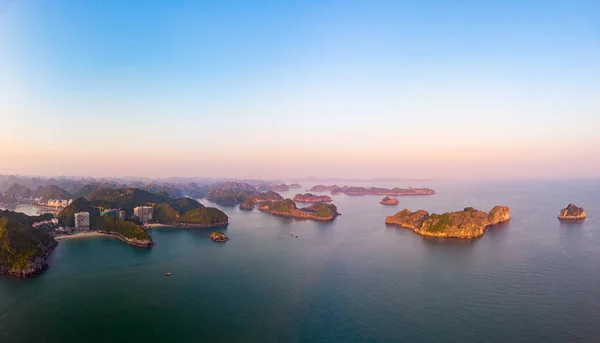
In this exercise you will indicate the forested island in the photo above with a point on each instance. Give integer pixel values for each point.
(251, 200)
(275, 188)
(191, 215)
(319, 211)
(352, 190)
(24, 250)
(184, 212)
(231, 193)
(469, 223)
(309, 197)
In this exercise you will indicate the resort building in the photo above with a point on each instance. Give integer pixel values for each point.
(143, 213)
(82, 222)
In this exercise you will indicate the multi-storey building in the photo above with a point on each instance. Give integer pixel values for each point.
(82, 221)
(144, 213)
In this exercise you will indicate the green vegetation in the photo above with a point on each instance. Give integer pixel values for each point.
(124, 198)
(247, 204)
(208, 216)
(122, 227)
(67, 215)
(443, 221)
(23, 218)
(165, 214)
(86, 190)
(230, 193)
(185, 204)
(21, 244)
(51, 192)
(322, 210)
(285, 206)
(404, 213)
(268, 196)
(168, 190)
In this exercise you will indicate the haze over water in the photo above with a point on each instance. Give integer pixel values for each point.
(530, 280)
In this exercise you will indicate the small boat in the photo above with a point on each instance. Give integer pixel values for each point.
(168, 274)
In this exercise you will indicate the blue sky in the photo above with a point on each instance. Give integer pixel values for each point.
(298, 88)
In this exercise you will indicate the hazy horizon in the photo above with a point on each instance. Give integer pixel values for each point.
(416, 90)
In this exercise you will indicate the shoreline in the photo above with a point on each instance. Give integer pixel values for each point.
(153, 225)
(81, 235)
(129, 241)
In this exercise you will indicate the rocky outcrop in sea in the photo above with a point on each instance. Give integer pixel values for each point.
(309, 198)
(572, 212)
(218, 237)
(389, 201)
(466, 224)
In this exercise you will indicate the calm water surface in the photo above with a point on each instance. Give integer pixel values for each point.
(531, 280)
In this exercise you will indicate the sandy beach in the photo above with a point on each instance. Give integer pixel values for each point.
(80, 235)
(153, 225)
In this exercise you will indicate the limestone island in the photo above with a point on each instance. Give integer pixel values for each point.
(351, 190)
(572, 212)
(389, 201)
(295, 185)
(279, 188)
(218, 237)
(287, 208)
(192, 215)
(247, 204)
(24, 250)
(230, 193)
(466, 224)
(269, 196)
(309, 197)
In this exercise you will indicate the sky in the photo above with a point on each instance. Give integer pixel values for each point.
(263, 89)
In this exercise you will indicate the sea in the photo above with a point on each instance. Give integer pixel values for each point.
(534, 279)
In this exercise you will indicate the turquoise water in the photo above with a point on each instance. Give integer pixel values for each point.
(531, 280)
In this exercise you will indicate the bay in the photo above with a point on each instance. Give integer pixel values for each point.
(533, 279)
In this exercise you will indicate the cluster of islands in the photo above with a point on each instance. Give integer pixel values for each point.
(25, 245)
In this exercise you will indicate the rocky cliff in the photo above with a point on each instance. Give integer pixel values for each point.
(408, 219)
(469, 223)
(319, 211)
(247, 204)
(389, 201)
(24, 250)
(309, 197)
(267, 196)
(499, 214)
(353, 190)
(219, 237)
(572, 212)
